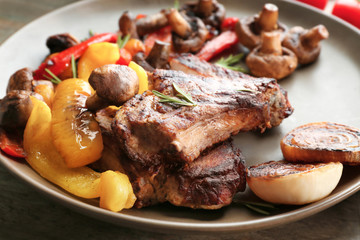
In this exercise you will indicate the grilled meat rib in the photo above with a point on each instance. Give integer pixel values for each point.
(190, 64)
(152, 132)
(209, 182)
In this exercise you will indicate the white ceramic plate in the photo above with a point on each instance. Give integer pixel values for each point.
(327, 90)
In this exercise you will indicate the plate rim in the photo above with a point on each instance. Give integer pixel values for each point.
(163, 225)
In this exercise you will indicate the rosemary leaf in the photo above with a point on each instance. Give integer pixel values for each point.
(259, 210)
(73, 66)
(230, 61)
(168, 99)
(183, 94)
(264, 205)
(121, 41)
(55, 79)
(91, 33)
(176, 4)
(246, 90)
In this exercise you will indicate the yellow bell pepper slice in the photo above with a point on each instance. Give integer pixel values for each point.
(116, 192)
(43, 157)
(142, 75)
(97, 55)
(76, 134)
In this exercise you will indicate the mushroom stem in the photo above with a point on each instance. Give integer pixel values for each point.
(127, 25)
(313, 36)
(178, 23)
(94, 102)
(271, 43)
(205, 8)
(268, 17)
(159, 54)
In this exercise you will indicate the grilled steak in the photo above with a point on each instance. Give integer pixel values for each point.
(209, 182)
(151, 132)
(190, 64)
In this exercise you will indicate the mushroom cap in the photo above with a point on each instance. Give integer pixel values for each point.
(114, 83)
(20, 80)
(194, 42)
(16, 107)
(305, 52)
(60, 42)
(249, 35)
(272, 66)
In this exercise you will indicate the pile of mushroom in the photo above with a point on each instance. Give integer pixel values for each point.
(16, 106)
(274, 51)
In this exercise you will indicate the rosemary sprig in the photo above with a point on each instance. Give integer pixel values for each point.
(91, 33)
(182, 99)
(176, 4)
(183, 94)
(246, 90)
(54, 78)
(121, 41)
(262, 208)
(73, 66)
(230, 61)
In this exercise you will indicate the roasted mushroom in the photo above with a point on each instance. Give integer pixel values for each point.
(20, 80)
(159, 55)
(151, 23)
(270, 59)
(114, 84)
(140, 59)
(249, 29)
(16, 107)
(60, 42)
(210, 12)
(305, 43)
(188, 34)
(127, 25)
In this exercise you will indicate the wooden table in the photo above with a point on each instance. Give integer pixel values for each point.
(27, 214)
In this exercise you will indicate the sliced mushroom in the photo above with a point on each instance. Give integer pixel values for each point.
(16, 107)
(20, 80)
(114, 84)
(189, 34)
(305, 43)
(159, 55)
(249, 29)
(127, 25)
(60, 42)
(151, 23)
(270, 59)
(210, 12)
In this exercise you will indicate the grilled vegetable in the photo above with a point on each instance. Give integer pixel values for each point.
(288, 183)
(82, 182)
(75, 132)
(97, 55)
(322, 142)
(116, 192)
(59, 62)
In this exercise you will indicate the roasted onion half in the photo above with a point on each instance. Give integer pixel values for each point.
(282, 182)
(322, 142)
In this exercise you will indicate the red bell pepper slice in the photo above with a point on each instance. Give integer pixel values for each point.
(58, 63)
(163, 34)
(218, 44)
(125, 57)
(11, 145)
(321, 4)
(229, 23)
(139, 16)
(348, 10)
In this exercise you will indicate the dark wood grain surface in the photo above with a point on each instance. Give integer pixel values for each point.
(27, 214)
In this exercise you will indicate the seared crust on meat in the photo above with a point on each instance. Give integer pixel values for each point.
(151, 132)
(209, 182)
